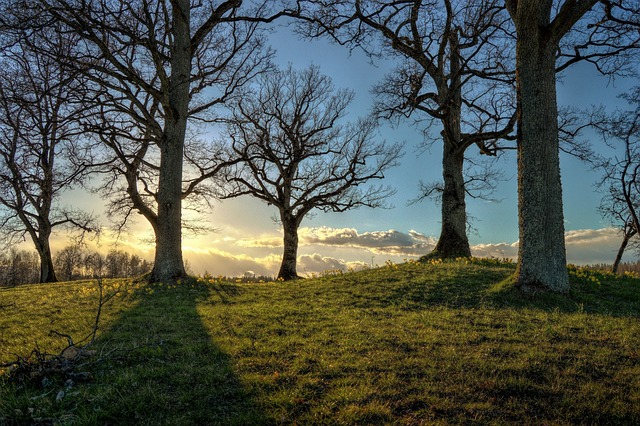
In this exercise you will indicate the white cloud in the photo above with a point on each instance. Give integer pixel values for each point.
(267, 242)
(391, 242)
(217, 262)
(584, 246)
(325, 248)
(317, 263)
(590, 246)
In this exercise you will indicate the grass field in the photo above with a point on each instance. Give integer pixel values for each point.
(435, 343)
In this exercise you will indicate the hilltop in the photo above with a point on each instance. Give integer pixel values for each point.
(435, 343)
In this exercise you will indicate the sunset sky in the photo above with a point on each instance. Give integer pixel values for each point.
(246, 238)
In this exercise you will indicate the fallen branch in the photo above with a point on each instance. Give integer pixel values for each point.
(41, 368)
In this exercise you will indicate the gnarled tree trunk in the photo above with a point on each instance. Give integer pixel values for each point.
(47, 272)
(290, 253)
(453, 241)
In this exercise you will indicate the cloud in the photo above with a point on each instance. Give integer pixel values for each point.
(499, 250)
(234, 257)
(316, 263)
(584, 246)
(591, 246)
(218, 262)
(391, 242)
(266, 242)
(102, 243)
(590, 236)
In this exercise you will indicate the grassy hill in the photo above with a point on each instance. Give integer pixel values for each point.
(437, 343)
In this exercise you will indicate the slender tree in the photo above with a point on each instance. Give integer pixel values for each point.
(621, 180)
(297, 155)
(42, 149)
(158, 64)
(454, 69)
(550, 37)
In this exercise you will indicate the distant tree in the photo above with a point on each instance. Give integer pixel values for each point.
(94, 265)
(296, 155)
(69, 262)
(551, 36)
(621, 181)
(158, 65)
(42, 151)
(455, 71)
(18, 267)
(117, 264)
(135, 266)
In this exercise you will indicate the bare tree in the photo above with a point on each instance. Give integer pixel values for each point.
(621, 180)
(552, 35)
(159, 64)
(455, 69)
(42, 151)
(297, 156)
(18, 267)
(69, 262)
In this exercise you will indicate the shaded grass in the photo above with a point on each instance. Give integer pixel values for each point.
(435, 343)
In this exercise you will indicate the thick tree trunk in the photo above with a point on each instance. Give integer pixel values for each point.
(47, 272)
(290, 253)
(541, 253)
(168, 263)
(453, 241)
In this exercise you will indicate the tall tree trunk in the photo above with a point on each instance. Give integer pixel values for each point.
(290, 253)
(47, 272)
(168, 263)
(541, 253)
(453, 241)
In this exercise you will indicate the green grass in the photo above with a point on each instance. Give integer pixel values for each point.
(435, 343)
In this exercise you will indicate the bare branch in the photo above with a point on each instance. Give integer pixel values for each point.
(294, 152)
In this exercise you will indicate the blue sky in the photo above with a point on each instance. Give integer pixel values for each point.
(248, 240)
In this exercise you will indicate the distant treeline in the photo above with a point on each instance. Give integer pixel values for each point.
(624, 267)
(71, 263)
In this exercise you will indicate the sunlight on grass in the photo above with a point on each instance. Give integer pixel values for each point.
(438, 343)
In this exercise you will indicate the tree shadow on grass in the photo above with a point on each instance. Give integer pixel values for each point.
(591, 292)
(161, 367)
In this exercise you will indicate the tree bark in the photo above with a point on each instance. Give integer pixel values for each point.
(47, 272)
(453, 241)
(290, 253)
(168, 263)
(541, 253)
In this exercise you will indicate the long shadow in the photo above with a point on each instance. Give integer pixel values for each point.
(595, 293)
(161, 367)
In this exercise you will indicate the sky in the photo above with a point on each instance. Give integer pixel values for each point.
(247, 241)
